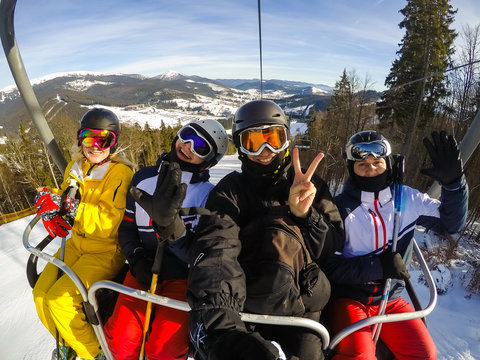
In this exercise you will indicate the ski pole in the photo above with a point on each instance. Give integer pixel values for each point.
(71, 193)
(59, 274)
(157, 264)
(398, 170)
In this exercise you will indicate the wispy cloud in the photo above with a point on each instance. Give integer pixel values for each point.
(302, 40)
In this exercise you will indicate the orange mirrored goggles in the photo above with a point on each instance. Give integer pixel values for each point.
(254, 140)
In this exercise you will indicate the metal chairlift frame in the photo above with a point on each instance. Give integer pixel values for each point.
(7, 34)
(93, 315)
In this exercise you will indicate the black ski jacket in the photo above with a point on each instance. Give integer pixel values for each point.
(218, 274)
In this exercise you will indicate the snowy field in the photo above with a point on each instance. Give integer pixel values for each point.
(454, 324)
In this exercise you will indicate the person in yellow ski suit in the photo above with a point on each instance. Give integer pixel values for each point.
(102, 177)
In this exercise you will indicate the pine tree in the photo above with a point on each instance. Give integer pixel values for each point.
(340, 109)
(415, 80)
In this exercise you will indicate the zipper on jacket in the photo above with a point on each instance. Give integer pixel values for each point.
(376, 202)
(374, 217)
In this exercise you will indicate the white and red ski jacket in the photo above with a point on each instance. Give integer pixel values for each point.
(356, 272)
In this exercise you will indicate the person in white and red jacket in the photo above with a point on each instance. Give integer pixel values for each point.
(359, 271)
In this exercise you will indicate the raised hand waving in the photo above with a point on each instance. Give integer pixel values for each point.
(302, 191)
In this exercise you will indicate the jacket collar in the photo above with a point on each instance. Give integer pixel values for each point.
(383, 196)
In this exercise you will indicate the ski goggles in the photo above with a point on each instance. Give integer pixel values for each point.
(254, 140)
(199, 145)
(378, 149)
(103, 139)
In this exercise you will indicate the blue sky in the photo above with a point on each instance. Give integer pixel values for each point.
(303, 40)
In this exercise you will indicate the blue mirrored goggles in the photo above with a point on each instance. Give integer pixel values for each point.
(378, 149)
(199, 145)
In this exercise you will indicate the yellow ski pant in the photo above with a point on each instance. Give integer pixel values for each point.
(59, 303)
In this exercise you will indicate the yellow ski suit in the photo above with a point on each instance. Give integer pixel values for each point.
(92, 251)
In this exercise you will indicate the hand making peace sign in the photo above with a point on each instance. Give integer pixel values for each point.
(302, 191)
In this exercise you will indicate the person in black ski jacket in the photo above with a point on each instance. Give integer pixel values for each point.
(367, 204)
(261, 250)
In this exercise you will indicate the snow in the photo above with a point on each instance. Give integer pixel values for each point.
(170, 75)
(454, 323)
(83, 85)
(298, 128)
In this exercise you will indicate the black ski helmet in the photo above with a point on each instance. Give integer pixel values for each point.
(257, 113)
(368, 137)
(101, 119)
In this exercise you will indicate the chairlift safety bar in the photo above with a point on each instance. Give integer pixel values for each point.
(90, 298)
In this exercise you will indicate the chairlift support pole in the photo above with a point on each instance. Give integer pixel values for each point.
(7, 34)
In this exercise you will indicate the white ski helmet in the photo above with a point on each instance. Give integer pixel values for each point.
(216, 135)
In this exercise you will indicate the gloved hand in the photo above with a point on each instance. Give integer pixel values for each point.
(55, 225)
(47, 203)
(165, 203)
(393, 266)
(239, 345)
(48, 206)
(445, 155)
(141, 268)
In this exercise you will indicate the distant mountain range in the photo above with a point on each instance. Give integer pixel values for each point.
(289, 87)
(166, 91)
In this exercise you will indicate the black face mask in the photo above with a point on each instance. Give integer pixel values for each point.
(262, 172)
(370, 184)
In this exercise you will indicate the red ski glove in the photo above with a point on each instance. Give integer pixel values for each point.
(50, 207)
(56, 226)
(47, 202)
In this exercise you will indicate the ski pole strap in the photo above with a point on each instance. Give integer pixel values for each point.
(398, 168)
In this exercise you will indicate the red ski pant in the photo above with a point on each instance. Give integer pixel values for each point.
(407, 340)
(168, 338)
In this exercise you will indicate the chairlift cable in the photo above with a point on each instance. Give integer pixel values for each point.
(260, 47)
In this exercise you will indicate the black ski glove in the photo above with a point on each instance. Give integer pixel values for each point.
(445, 155)
(141, 268)
(165, 203)
(239, 345)
(393, 266)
